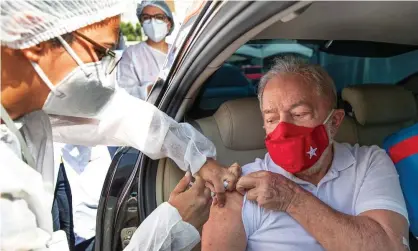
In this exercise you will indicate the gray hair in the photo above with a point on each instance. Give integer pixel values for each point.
(310, 73)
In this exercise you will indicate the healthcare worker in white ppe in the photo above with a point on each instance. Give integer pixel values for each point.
(141, 63)
(57, 77)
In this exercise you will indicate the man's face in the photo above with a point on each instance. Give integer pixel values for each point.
(288, 98)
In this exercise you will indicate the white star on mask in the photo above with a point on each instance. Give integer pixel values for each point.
(312, 152)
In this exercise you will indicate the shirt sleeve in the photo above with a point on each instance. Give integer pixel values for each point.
(380, 188)
(128, 77)
(129, 121)
(164, 230)
(251, 217)
(251, 212)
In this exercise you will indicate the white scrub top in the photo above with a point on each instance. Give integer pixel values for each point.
(139, 68)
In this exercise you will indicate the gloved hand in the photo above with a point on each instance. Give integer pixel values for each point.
(193, 204)
(219, 178)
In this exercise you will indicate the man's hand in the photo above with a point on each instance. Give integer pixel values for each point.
(215, 175)
(193, 204)
(270, 190)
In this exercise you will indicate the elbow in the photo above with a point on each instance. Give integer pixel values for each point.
(389, 242)
(397, 244)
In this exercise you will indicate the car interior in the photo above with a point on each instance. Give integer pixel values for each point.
(370, 51)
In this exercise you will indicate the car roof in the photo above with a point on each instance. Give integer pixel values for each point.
(379, 21)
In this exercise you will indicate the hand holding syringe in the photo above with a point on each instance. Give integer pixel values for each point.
(213, 194)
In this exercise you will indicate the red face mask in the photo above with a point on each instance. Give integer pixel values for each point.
(297, 148)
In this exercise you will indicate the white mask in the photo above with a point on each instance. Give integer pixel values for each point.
(84, 91)
(155, 30)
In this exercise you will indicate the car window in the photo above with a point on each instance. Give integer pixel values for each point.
(348, 63)
(347, 71)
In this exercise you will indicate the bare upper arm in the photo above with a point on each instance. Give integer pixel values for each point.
(394, 224)
(224, 230)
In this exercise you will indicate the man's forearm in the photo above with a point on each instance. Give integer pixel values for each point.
(335, 230)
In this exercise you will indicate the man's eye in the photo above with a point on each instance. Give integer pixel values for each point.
(300, 115)
(270, 120)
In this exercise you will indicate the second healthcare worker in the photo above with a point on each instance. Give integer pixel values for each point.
(141, 63)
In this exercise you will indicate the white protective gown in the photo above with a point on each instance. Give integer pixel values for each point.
(139, 68)
(27, 195)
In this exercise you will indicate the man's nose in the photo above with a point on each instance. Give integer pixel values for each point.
(285, 118)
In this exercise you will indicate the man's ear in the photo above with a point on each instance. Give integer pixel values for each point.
(34, 53)
(337, 118)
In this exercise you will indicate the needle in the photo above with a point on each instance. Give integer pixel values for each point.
(212, 193)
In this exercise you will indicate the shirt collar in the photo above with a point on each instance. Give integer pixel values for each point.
(343, 159)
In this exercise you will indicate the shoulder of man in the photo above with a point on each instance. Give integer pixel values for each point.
(366, 155)
(369, 161)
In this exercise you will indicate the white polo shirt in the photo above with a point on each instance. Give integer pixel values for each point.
(360, 179)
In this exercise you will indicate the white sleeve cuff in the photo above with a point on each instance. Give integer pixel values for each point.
(382, 205)
(164, 230)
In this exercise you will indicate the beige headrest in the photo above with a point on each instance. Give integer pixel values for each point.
(240, 124)
(380, 103)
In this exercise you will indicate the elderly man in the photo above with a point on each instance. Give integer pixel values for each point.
(309, 192)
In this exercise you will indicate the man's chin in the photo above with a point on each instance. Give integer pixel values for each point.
(318, 166)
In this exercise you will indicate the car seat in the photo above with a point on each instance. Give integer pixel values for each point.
(379, 110)
(411, 84)
(227, 83)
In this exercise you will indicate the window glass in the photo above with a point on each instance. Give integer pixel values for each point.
(239, 76)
